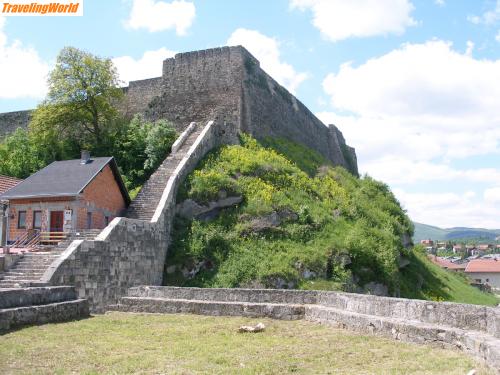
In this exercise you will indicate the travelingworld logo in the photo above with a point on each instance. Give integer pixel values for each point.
(41, 8)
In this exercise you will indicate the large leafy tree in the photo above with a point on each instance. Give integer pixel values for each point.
(81, 101)
(80, 111)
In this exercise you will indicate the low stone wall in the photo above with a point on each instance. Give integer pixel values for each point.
(458, 315)
(131, 252)
(10, 298)
(213, 308)
(227, 294)
(8, 260)
(19, 307)
(471, 328)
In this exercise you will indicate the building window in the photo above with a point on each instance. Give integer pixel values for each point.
(89, 220)
(106, 220)
(37, 219)
(21, 220)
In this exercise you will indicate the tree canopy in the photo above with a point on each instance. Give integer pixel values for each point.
(82, 98)
(81, 112)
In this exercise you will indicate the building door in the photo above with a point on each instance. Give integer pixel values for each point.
(56, 221)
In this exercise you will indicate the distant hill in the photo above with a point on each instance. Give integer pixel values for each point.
(424, 231)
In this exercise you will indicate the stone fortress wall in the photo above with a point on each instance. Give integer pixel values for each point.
(10, 121)
(226, 83)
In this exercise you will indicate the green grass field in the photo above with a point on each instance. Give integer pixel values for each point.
(120, 343)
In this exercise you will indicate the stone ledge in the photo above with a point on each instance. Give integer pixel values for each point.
(49, 313)
(213, 308)
(476, 343)
(11, 298)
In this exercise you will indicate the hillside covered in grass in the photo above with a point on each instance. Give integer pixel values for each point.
(275, 214)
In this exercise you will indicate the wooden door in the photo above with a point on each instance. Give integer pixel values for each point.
(56, 221)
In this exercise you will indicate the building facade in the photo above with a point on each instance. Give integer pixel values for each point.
(67, 196)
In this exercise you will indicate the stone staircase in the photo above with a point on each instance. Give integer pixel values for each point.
(31, 267)
(144, 205)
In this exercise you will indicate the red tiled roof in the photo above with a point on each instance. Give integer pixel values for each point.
(483, 247)
(7, 183)
(483, 265)
(444, 263)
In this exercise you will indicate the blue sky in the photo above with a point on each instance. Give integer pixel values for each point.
(413, 85)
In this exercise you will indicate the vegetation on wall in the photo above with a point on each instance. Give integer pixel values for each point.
(80, 113)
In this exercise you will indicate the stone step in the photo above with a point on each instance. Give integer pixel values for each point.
(144, 205)
(40, 314)
(32, 268)
(226, 295)
(214, 308)
(17, 272)
(21, 278)
(28, 264)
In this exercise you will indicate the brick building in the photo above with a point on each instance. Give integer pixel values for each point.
(66, 196)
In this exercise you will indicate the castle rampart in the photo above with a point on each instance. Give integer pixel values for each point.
(226, 83)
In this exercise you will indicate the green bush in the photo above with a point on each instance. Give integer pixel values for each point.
(333, 215)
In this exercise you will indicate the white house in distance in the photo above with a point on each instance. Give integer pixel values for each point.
(485, 271)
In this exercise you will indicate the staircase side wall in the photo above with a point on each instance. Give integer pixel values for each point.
(130, 252)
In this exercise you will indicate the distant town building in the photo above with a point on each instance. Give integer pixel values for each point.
(428, 242)
(447, 264)
(484, 247)
(485, 271)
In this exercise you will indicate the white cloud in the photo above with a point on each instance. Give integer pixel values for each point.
(340, 19)
(449, 209)
(441, 3)
(414, 111)
(159, 15)
(488, 18)
(148, 66)
(497, 37)
(470, 48)
(23, 73)
(492, 195)
(425, 81)
(267, 51)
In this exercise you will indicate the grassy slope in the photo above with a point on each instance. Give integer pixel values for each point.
(337, 215)
(120, 343)
(438, 284)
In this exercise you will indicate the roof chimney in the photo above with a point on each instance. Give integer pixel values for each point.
(85, 157)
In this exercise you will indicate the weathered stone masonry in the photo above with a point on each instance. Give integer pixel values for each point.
(130, 251)
(10, 121)
(226, 83)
